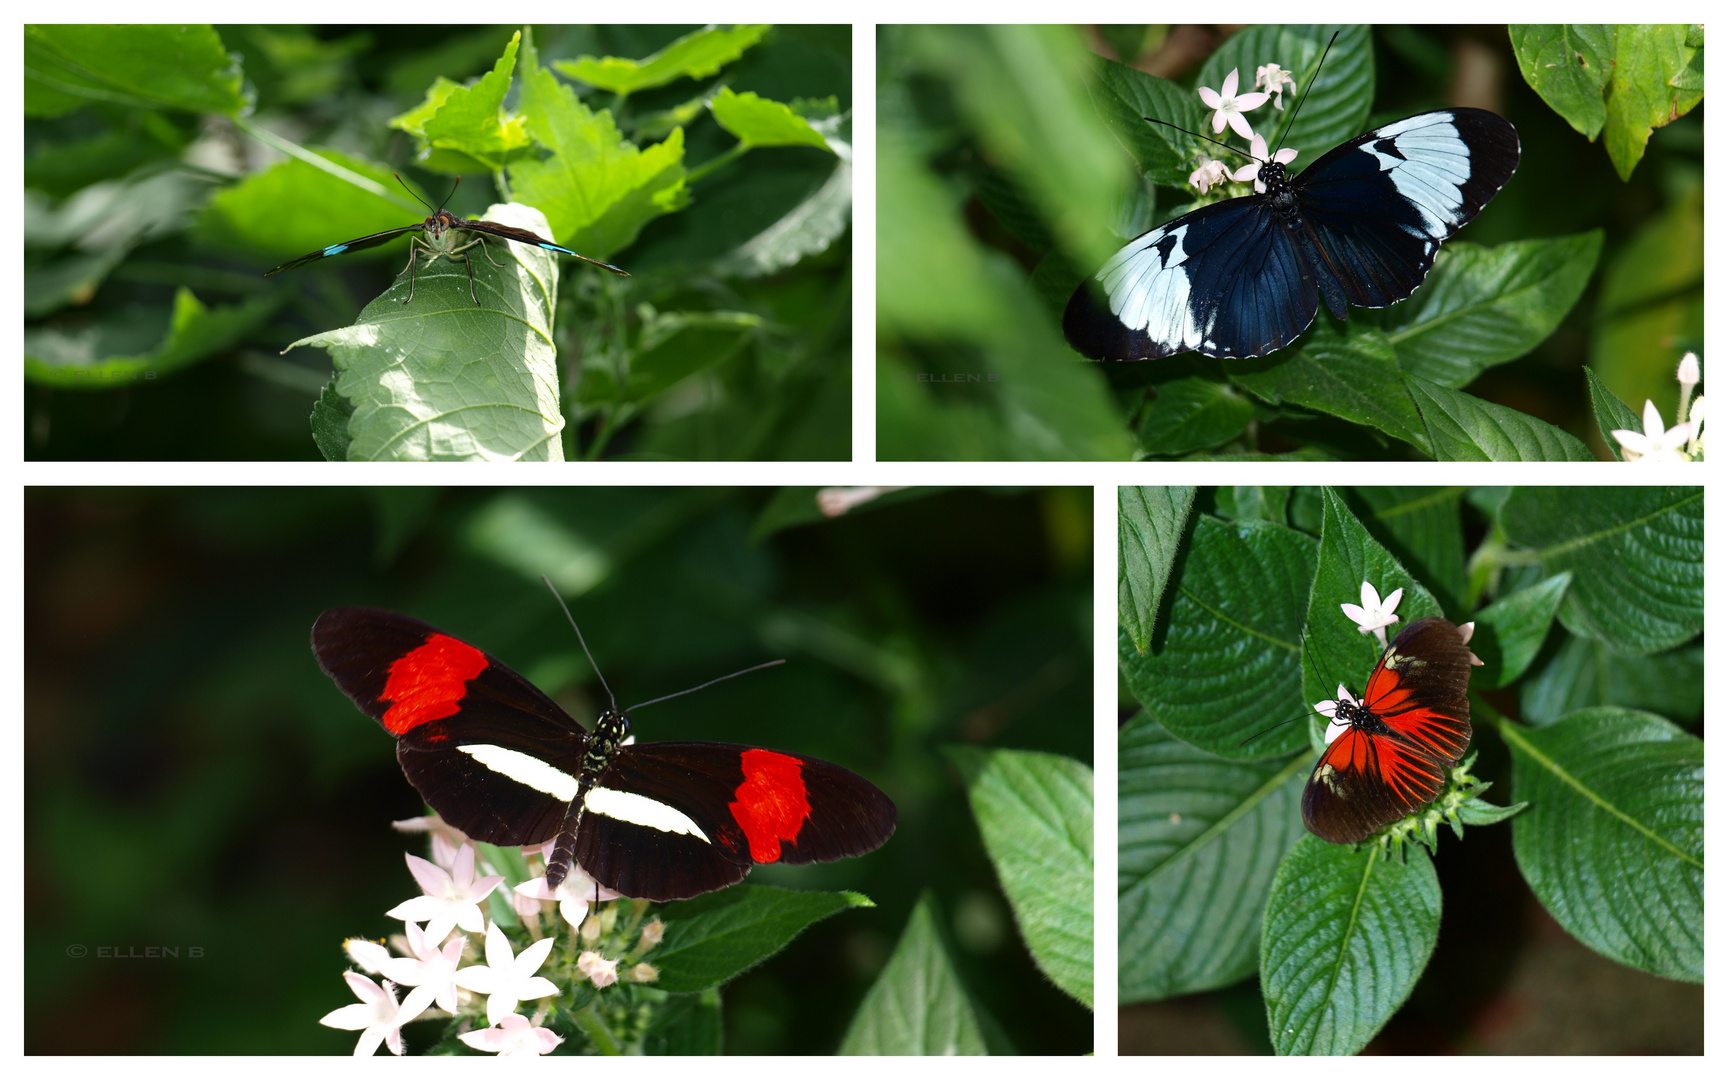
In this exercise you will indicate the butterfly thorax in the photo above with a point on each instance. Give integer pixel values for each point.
(1280, 195)
(437, 229)
(603, 745)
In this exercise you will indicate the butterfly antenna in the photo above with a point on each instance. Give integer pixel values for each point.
(1311, 80)
(1274, 727)
(704, 686)
(572, 618)
(410, 191)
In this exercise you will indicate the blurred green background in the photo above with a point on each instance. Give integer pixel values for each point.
(130, 202)
(192, 779)
(999, 183)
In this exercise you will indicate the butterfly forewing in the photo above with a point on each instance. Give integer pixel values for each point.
(1413, 725)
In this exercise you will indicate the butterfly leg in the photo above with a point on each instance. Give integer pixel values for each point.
(414, 244)
(466, 259)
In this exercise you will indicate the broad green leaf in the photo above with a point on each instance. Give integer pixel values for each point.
(1510, 631)
(684, 1025)
(134, 348)
(597, 189)
(1338, 92)
(1251, 503)
(470, 120)
(67, 67)
(918, 1004)
(1648, 88)
(1421, 527)
(672, 346)
(1035, 814)
(1465, 428)
(1351, 375)
(1346, 936)
(444, 380)
(331, 414)
(758, 121)
(810, 228)
(1569, 66)
(1480, 307)
(717, 937)
(1200, 838)
(1612, 414)
(1150, 522)
(265, 212)
(1334, 650)
(1005, 198)
(1229, 663)
(1613, 842)
(1636, 554)
(1124, 96)
(1582, 672)
(1193, 413)
(694, 56)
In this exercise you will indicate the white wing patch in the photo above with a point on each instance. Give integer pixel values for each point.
(1433, 171)
(524, 769)
(641, 810)
(1147, 293)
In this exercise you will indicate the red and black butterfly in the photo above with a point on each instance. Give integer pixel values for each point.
(500, 761)
(1388, 754)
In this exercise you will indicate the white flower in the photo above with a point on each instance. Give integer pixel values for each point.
(1375, 615)
(378, 1018)
(1229, 106)
(597, 969)
(452, 897)
(1654, 444)
(573, 894)
(514, 1035)
(507, 979)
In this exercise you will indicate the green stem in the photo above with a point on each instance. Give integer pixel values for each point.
(718, 162)
(294, 150)
(588, 1019)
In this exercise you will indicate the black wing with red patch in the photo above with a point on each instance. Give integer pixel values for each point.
(1412, 725)
(500, 761)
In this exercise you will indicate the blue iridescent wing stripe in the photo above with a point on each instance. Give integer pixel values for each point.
(523, 236)
(351, 245)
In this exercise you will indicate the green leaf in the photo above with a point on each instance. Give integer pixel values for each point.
(1035, 814)
(1193, 413)
(1346, 936)
(1645, 88)
(470, 120)
(1201, 837)
(1465, 428)
(1353, 376)
(597, 189)
(68, 67)
(684, 1025)
(1229, 662)
(1582, 672)
(330, 416)
(1613, 844)
(810, 228)
(918, 1004)
(672, 346)
(1421, 527)
(1253, 503)
(758, 121)
(265, 212)
(1510, 631)
(694, 56)
(445, 380)
(1612, 414)
(1150, 522)
(1334, 650)
(101, 356)
(1480, 307)
(715, 938)
(1636, 555)
(1569, 66)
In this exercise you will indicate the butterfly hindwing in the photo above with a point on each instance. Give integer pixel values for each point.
(1413, 724)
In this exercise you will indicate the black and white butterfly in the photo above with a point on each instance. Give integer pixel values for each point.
(1242, 277)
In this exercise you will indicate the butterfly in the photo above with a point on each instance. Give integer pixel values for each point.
(440, 235)
(1387, 756)
(502, 762)
(1243, 277)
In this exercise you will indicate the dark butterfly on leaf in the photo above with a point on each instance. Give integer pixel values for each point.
(1388, 754)
(1243, 277)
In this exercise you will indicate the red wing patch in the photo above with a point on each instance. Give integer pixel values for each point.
(430, 682)
(772, 804)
